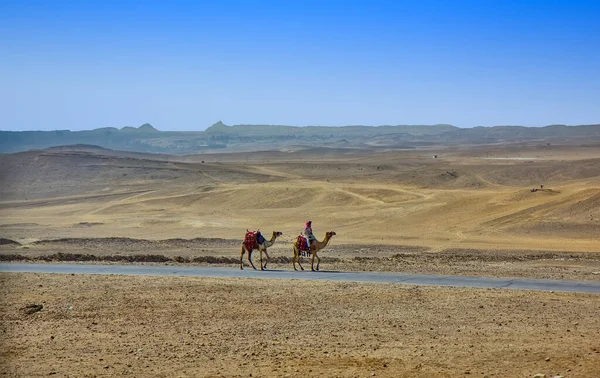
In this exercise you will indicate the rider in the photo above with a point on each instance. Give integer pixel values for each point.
(308, 233)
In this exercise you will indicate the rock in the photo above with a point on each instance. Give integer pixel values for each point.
(32, 308)
(539, 376)
(558, 376)
(547, 359)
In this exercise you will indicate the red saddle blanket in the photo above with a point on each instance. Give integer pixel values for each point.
(303, 244)
(251, 240)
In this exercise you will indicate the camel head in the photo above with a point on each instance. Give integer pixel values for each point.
(330, 234)
(277, 234)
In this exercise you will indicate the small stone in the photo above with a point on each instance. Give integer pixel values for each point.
(539, 376)
(373, 374)
(547, 359)
(558, 376)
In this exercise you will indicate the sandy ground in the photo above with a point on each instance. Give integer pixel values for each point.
(202, 327)
(461, 200)
(472, 211)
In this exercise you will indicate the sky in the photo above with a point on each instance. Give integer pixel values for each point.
(184, 65)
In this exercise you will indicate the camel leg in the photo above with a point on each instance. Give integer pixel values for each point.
(300, 265)
(241, 256)
(318, 260)
(266, 260)
(250, 259)
(260, 254)
(312, 262)
(296, 259)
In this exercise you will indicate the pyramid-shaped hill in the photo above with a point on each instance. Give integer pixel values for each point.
(145, 128)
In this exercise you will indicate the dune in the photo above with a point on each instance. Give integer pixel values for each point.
(387, 197)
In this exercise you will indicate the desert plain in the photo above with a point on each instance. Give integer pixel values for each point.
(501, 210)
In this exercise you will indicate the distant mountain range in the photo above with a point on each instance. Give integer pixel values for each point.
(220, 137)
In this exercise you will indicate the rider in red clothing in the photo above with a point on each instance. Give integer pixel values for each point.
(308, 233)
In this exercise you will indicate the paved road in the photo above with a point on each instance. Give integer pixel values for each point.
(394, 278)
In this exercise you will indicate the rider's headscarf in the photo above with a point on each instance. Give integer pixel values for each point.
(308, 226)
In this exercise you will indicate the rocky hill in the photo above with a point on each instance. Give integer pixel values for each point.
(243, 138)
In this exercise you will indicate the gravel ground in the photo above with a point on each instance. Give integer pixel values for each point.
(205, 327)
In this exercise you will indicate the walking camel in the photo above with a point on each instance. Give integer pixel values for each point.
(251, 243)
(300, 245)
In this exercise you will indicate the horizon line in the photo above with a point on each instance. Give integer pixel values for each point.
(297, 126)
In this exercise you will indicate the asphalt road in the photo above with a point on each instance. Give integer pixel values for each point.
(393, 278)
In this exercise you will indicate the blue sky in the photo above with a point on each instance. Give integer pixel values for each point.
(183, 65)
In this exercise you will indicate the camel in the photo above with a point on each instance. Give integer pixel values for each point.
(261, 248)
(315, 247)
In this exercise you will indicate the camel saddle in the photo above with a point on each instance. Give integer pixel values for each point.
(253, 239)
(303, 246)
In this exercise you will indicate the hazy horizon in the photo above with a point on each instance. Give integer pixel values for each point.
(183, 66)
(248, 124)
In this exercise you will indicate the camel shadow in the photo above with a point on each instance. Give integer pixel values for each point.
(301, 271)
(272, 270)
(323, 271)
